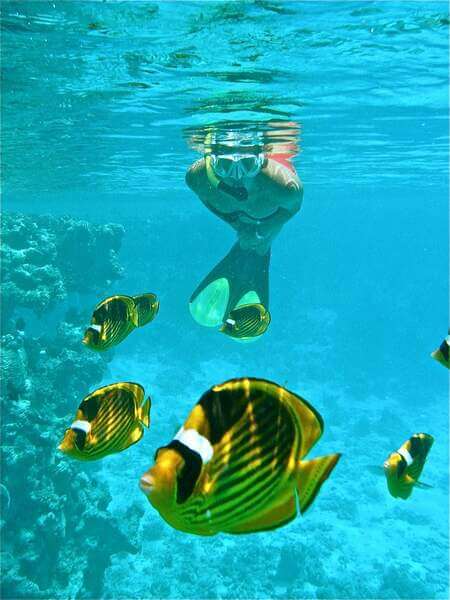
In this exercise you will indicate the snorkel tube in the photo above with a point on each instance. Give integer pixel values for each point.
(239, 193)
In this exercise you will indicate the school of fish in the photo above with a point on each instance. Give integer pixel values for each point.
(238, 464)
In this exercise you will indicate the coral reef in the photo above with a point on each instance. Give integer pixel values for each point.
(44, 258)
(56, 532)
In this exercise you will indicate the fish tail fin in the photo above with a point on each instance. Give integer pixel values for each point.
(310, 477)
(144, 412)
(147, 307)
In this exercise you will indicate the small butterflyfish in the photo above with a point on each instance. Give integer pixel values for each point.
(246, 321)
(107, 421)
(237, 464)
(403, 467)
(116, 317)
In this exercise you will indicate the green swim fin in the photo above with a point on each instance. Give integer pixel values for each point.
(242, 277)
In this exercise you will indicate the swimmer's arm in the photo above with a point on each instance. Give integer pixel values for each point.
(290, 201)
(197, 181)
(282, 176)
(288, 190)
(195, 175)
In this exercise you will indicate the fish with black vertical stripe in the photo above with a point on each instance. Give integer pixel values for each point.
(246, 321)
(116, 317)
(441, 354)
(237, 465)
(107, 421)
(403, 467)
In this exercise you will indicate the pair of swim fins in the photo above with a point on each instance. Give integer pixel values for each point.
(240, 279)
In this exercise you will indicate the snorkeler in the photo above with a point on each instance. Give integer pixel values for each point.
(256, 193)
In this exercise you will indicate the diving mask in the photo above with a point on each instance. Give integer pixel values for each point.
(237, 166)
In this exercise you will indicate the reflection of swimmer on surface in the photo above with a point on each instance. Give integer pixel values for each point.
(256, 193)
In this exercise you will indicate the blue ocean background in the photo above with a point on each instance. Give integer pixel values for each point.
(99, 100)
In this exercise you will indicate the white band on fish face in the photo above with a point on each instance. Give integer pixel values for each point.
(95, 327)
(230, 322)
(196, 442)
(406, 455)
(81, 425)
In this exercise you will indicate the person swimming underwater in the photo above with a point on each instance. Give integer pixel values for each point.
(256, 193)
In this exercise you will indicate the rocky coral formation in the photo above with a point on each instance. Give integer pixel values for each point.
(44, 258)
(57, 534)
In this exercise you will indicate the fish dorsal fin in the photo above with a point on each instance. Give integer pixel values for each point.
(114, 308)
(90, 406)
(223, 406)
(310, 477)
(247, 310)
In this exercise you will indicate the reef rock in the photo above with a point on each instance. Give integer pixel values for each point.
(57, 535)
(44, 258)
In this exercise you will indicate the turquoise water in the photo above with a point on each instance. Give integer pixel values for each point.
(103, 106)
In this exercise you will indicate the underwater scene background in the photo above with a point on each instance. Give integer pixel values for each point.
(104, 108)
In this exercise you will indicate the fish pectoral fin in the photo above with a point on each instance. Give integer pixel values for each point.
(376, 470)
(144, 412)
(271, 517)
(423, 486)
(310, 476)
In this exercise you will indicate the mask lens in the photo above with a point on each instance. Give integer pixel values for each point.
(223, 165)
(236, 165)
(250, 164)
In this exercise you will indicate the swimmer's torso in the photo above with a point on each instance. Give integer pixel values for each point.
(267, 192)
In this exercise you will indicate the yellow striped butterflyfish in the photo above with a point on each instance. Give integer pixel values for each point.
(236, 466)
(115, 318)
(107, 421)
(246, 321)
(404, 466)
(441, 354)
